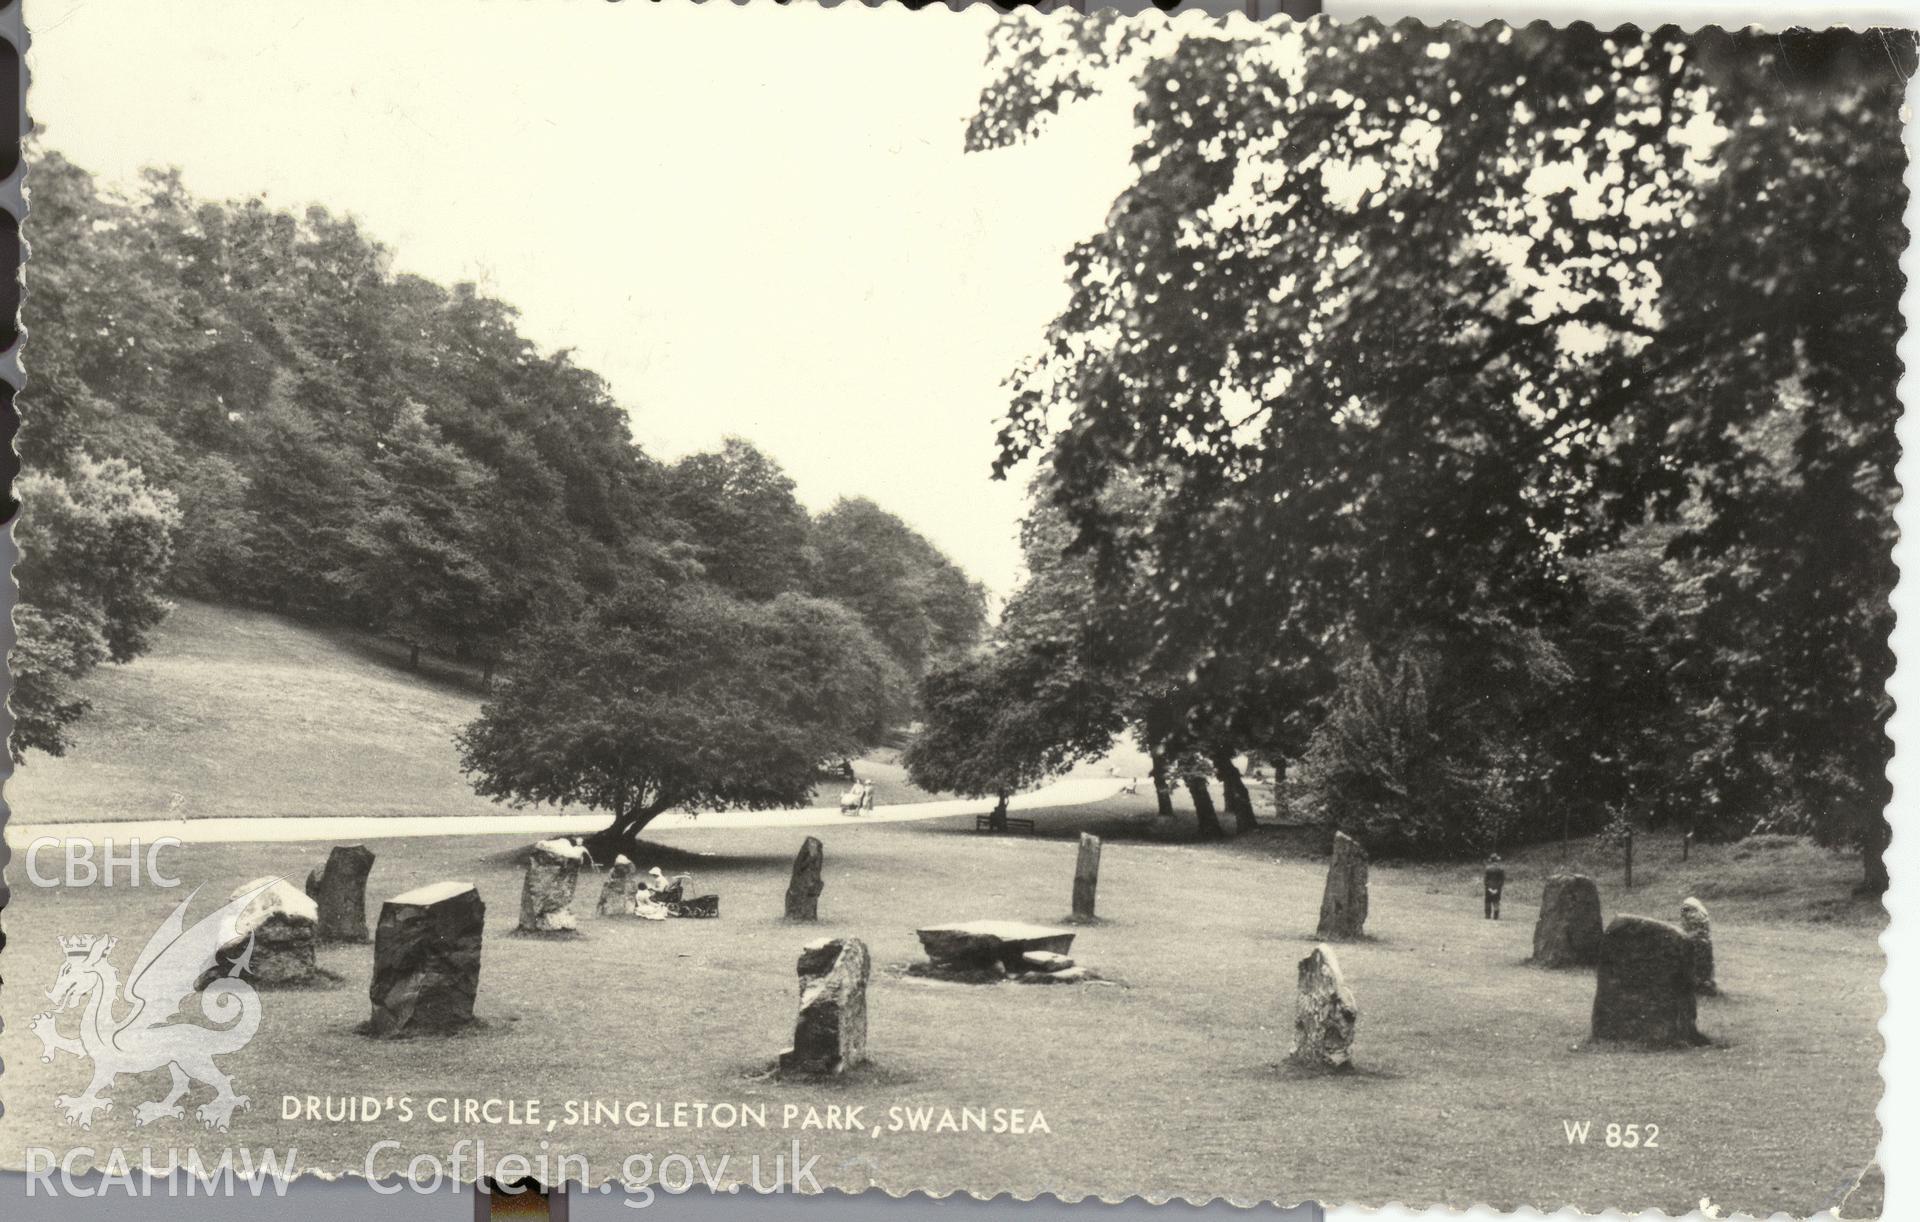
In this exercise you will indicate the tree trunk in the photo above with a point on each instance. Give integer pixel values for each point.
(1162, 791)
(1239, 801)
(998, 820)
(1873, 854)
(1210, 828)
(486, 675)
(623, 834)
(413, 656)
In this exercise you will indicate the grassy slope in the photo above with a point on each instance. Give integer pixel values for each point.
(244, 713)
(1470, 1060)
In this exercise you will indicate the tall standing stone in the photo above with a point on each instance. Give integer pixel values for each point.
(831, 1034)
(1644, 993)
(339, 888)
(1343, 906)
(1324, 1014)
(1567, 932)
(1699, 930)
(803, 889)
(426, 960)
(620, 894)
(546, 896)
(1086, 876)
(274, 934)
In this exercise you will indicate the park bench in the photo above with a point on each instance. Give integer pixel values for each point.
(984, 823)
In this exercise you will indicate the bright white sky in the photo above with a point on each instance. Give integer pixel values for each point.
(755, 222)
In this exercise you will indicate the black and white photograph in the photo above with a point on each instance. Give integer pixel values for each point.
(766, 598)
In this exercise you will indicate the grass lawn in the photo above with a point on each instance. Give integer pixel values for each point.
(1169, 1083)
(239, 712)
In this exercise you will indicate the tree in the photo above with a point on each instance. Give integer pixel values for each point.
(660, 698)
(1403, 324)
(413, 567)
(747, 528)
(1004, 720)
(917, 601)
(94, 548)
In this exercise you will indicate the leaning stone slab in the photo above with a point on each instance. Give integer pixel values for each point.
(1324, 1014)
(1644, 991)
(831, 1034)
(1045, 961)
(803, 889)
(546, 895)
(1086, 876)
(339, 887)
(973, 945)
(1699, 930)
(1567, 933)
(620, 894)
(274, 936)
(426, 960)
(1343, 905)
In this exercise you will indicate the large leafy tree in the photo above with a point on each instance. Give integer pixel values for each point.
(1004, 719)
(746, 526)
(94, 543)
(920, 604)
(662, 697)
(1403, 323)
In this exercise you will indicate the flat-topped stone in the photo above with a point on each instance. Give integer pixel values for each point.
(430, 894)
(974, 944)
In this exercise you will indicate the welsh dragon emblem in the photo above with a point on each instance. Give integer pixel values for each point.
(125, 1029)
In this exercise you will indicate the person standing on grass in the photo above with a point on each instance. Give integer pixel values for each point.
(1496, 881)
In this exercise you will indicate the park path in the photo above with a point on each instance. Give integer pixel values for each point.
(1072, 791)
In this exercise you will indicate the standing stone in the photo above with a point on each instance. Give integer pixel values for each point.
(620, 894)
(274, 935)
(1699, 930)
(831, 1035)
(1568, 931)
(1644, 994)
(1324, 1014)
(1086, 876)
(339, 888)
(803, 890)
(1343, 906)
(553, 871)
(426, 960)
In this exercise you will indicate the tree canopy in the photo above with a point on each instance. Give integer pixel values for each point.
(248, 405)
(660, 698)
(1403, 327)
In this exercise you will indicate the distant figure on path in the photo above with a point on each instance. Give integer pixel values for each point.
(1132, 785)
(1496, 880)
(866, 796)
(850, 800)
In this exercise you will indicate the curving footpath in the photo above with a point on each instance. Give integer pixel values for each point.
(351, 829)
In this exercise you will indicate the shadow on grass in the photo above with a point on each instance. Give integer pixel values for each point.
(647, 853)
(475, 1028)
(859, 1077)
(1360, 1074)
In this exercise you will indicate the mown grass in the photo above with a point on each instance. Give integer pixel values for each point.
(242, 713)
(1170, 1083)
